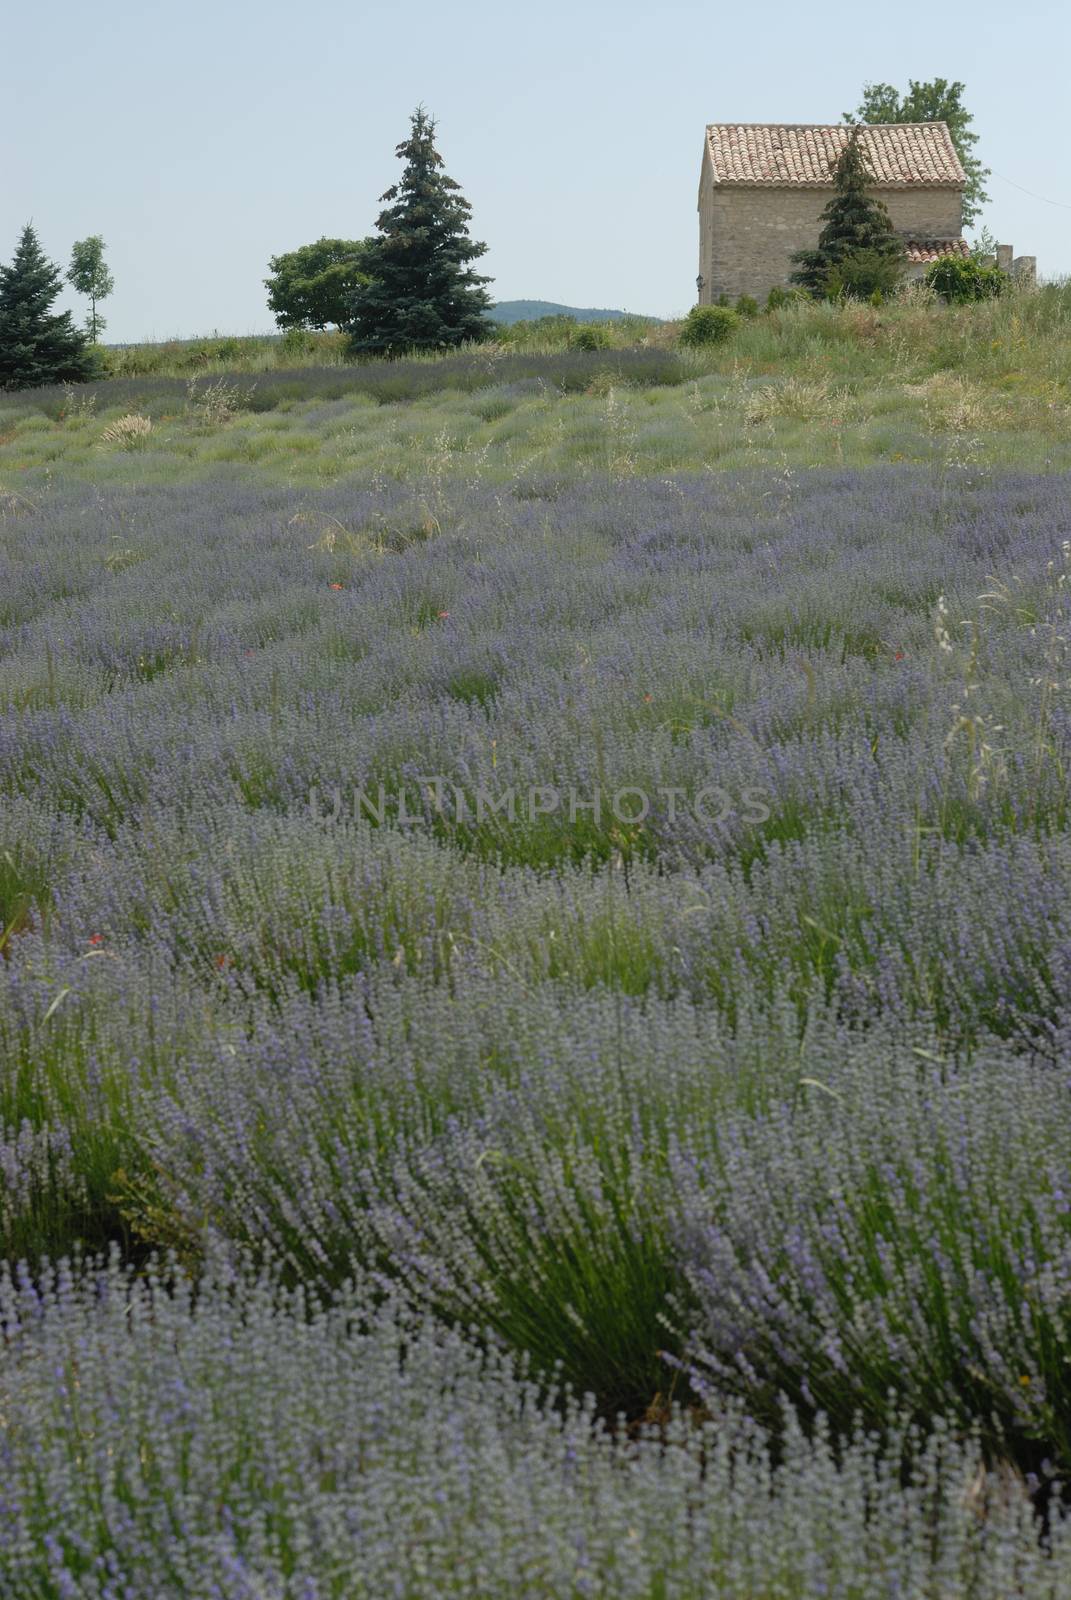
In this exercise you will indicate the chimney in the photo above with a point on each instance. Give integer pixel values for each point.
(1005, 253)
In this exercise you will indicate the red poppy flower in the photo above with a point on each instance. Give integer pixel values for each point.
(96, 938)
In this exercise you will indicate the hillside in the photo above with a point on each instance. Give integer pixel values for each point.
(509, 311)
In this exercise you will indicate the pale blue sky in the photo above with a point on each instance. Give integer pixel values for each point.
(202, 139)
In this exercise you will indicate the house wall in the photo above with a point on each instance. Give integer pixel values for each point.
(706, 215)
(748, 235)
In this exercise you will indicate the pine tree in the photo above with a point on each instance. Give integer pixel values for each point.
(857, 228)
(36, 345)
(422, 293)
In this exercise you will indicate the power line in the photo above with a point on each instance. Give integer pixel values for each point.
(1062, 204)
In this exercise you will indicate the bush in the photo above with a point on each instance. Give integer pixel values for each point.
(590, 336)
(104, 365)
(708, 325)
(961, 279)
(864, 275)
(780, 297)
(229, 349)
(298, 342)
(747, 307)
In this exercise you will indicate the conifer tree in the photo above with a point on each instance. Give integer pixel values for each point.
(857, 229)
(36, 345)
(422, 292)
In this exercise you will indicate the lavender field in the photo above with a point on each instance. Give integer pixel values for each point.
(535, 1000)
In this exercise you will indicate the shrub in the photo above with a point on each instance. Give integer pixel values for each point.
(298, 342)
(780, 297)
(228, 349)
(590, 336)
(708, 325)
(104, 365)
(864, 275)
(961, 279)
(747, 306)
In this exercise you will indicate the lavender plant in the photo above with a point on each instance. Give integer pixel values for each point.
(238, 1440)
(724, 1101)
(895, 1232)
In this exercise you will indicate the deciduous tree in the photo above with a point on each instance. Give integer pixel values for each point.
(89, 274)
(936, 101)
(310, 287)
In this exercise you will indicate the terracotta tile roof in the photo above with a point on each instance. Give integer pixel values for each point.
(801, 154)
(933, 249)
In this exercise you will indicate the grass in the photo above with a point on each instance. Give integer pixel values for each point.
(803, 387)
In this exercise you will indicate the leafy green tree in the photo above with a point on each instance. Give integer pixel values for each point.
(89, 274)
(36, 345)
(984, 245)
(422, 293)
(937, 101)
(858, 250)
(310, 287)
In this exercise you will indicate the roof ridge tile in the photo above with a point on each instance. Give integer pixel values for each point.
(800, 154)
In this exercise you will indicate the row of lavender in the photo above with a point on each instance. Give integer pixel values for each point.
(630, 921)
(233, 1446)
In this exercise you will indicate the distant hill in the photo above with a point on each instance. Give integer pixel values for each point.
(507, 311)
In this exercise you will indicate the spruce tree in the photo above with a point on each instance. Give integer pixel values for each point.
(857, 229)
(36, 345)
(422, 293)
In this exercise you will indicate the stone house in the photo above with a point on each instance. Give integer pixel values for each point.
(763, 186)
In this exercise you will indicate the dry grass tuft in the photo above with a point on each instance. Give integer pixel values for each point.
(127, 432)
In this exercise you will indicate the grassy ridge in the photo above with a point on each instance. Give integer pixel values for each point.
(802, 387)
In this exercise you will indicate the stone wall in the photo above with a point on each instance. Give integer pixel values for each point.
(748, 236)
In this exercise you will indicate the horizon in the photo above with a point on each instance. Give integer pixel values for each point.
(214, 144)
